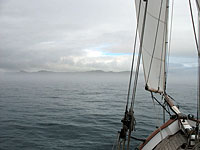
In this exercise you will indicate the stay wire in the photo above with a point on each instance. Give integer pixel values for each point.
(164, 44)
(137, 67)
(133, 57)
(157, 122)
(192, 17)
(139, 57)
(162, 105)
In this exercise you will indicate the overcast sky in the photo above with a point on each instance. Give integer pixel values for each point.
(80, 35)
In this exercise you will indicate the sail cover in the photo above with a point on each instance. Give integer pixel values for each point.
(154, 42)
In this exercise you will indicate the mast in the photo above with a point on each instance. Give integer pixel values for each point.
(198, 92)
(166, 45)
(198, 88)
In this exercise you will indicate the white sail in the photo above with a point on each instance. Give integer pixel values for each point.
(154, 42)
(198, 5)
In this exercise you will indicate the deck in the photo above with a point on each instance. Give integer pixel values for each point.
(173, 142)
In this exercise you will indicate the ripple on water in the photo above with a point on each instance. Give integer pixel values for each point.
(72, 113)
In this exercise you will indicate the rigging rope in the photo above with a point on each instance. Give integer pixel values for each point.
(154, 106)
(137, 73)
(128, 120)
(162, 105)
(164, 45)
(163, 109)
(157, 116)
(133, 57)
(191, 13)
(139, 56)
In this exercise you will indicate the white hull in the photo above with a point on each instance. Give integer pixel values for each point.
(166, 131)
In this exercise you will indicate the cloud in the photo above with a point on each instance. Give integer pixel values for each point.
(74, 35)
(183, 62)
(96, 60)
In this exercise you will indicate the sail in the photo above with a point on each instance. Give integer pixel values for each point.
(198, 5)
(154, 42)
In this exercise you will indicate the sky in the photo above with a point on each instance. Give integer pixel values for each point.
(81, 35)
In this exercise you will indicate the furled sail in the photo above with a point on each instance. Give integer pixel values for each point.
(154, 42)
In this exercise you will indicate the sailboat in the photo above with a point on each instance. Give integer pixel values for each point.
(153, 30)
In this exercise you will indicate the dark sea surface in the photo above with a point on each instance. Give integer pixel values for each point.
(78, 111)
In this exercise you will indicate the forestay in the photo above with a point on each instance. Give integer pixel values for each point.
(154, 42)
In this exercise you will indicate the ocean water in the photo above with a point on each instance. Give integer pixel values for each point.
(78, 111)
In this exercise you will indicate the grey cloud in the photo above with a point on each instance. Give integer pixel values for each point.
(36, 34)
